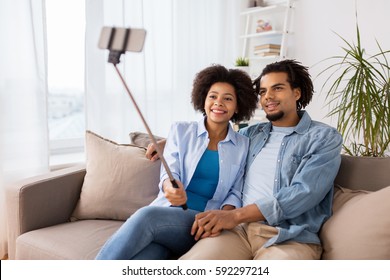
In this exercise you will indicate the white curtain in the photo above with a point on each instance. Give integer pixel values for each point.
(183, 37)
(23, 126)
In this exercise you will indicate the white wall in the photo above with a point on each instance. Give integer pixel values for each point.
(313, 40)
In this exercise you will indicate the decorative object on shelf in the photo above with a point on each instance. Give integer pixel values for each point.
(242, 61)
(263, 25)
(267, 50)
(269, 53)
(359, 95)
(256, 3)
(259, 3)
(268, 46)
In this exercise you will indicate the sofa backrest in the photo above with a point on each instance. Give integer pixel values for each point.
(363, 173)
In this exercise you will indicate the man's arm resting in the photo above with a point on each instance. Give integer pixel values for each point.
(249, 213)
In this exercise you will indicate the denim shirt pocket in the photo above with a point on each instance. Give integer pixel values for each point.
(293, 164)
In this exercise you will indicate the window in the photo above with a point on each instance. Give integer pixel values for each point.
(65, 23)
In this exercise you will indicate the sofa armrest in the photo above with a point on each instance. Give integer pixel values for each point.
(42, 201)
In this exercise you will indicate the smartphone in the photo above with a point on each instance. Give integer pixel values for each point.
(122, 39)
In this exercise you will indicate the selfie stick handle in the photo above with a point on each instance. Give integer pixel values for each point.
(159, 152)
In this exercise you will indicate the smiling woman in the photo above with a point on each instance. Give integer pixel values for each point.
(47, 93)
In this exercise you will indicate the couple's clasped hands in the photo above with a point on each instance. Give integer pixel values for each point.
(212, 222)
(206, 224)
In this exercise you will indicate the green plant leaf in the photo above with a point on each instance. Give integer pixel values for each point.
(242, 61)
(359, 96)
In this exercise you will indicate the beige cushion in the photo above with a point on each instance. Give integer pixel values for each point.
(119, 180)
(80, 240)
(142, 139)
(359, 227)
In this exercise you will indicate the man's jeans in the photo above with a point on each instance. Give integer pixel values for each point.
(153, 233)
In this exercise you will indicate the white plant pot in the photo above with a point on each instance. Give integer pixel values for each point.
(244, 68)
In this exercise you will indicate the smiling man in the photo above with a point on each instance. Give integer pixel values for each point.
(288, 189)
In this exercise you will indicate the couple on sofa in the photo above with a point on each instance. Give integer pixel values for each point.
(262, 193)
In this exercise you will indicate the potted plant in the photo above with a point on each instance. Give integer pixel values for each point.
(242, 63)
(359, 95)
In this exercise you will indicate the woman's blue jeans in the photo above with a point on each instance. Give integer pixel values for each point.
(151, 233)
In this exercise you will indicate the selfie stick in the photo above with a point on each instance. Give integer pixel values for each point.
(114, 58)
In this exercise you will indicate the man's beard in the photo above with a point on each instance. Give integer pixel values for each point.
(275, 117)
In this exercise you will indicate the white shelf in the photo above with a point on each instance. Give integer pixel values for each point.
(264, 10)
(269, 57)
(278, 14)
(263, 34)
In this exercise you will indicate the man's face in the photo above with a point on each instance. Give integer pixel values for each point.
(278, 99)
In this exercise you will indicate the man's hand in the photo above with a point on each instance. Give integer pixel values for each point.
(151, 152)
(176, 196)
(211, 223)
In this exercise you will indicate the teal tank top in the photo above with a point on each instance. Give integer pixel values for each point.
(204, 182)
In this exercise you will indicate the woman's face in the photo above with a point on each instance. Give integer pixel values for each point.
(221, 103)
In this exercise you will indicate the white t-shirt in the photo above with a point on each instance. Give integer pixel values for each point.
(259, 180)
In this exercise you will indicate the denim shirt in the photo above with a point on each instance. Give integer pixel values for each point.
(186, 143)
(308, 162)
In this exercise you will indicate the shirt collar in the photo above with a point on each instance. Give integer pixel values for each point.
(231, 135)
(304, 123)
